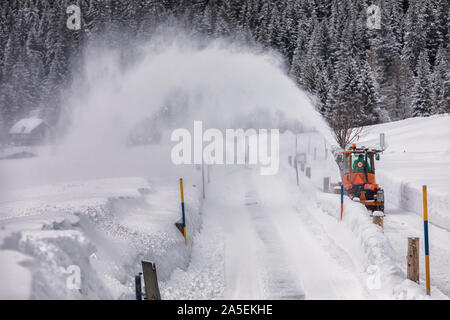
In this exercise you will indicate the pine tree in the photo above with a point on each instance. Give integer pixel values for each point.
(415, 30)
(396, 90)
(433, 31)
(387, 42)
(222, 27)
(206, 23)
(441, 82)
(368, 91)
(421, 99)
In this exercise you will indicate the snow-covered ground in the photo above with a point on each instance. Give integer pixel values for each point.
(277, 240)
(418, 153)
(253, 237)
(103, 226)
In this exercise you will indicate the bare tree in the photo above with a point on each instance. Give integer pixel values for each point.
(345, 123)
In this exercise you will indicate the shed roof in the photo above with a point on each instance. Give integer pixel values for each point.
(25, 125)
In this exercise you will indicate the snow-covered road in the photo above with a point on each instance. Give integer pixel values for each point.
(271, 242)
(253, 237)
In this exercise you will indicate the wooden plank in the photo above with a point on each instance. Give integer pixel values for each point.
(413, 259)
(150, 281)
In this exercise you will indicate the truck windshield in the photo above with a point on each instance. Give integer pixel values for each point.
(360, 163)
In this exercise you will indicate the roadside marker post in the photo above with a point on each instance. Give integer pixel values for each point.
(382, 141)
(138, 286)
(412, 259)
(425, 230)
(342, 200)
(182, 211)
(308, 172)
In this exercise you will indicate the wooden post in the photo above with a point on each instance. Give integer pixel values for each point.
(413, 259)
(427, 249)
(378, 218)
(308, 172)
(138, 286)
(151, 281)
(326, 184)
(296, 171)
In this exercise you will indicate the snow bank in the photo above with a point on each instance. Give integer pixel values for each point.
(408, 196)
(104, 228)
(418, 154)
(385, 274)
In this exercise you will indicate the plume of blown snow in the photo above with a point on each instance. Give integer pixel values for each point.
(223, 85)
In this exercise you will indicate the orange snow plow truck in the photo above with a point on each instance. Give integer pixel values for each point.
(358, 176)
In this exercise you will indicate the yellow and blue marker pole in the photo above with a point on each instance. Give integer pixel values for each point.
(182, 211)
(427, 250)
(342, 200)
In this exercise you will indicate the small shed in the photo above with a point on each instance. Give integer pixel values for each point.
(29, 131)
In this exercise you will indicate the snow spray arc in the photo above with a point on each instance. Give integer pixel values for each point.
(241, 147)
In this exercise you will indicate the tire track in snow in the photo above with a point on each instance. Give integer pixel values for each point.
(280, 283)
(313, 261)
(269, 250)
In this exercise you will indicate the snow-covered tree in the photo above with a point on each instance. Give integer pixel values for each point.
(441, 82)
(421, 105)
(317, 38)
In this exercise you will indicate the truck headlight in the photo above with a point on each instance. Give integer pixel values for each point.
(380, 196)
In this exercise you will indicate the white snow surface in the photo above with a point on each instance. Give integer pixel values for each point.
(105, 226)
(418, 153)
(98, 204)
(253, 237)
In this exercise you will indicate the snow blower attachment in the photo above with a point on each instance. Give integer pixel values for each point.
(358, 176)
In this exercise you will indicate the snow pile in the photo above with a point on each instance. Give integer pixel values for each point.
(384, 273)
(357, 219)
(103, 227)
